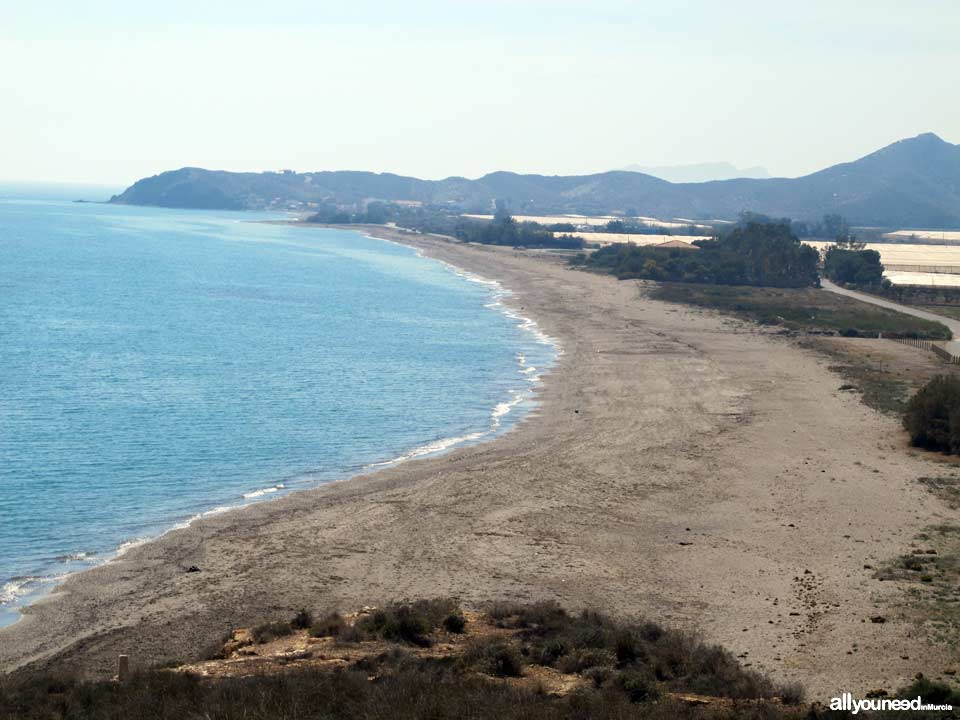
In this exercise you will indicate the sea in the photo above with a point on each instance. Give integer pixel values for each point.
(159, 365)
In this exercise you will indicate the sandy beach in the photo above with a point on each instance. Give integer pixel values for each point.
(681, 466)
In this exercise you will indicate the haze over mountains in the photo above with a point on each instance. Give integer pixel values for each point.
(913, 183)
(699, 172)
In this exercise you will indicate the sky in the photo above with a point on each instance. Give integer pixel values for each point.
(107, 92)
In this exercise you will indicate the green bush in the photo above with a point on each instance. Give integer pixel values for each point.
(454, 623)
(638, 686)
(932, 416)
(932, 692)
(584, 659)
(270, 631)
(302, 620)
(791, 693)
(410, 623)
(542, 615)
(397, 623)
(494, 657)
(332, 625)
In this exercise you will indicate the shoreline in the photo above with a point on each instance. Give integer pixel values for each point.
(679, 466)
(42, 586)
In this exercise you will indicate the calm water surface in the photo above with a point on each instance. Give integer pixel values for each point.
(160, 364)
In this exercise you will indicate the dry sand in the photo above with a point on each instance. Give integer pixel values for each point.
(682, 466)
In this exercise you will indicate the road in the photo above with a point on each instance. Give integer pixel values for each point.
(954, 325)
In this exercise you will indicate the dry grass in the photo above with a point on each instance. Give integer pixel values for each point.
(930, 578)
(801, 310)
(513, 661)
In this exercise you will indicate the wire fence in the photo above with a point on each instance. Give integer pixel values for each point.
(941, 352)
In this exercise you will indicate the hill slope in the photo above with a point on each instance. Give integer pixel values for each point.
(911, 183)
(699, 172)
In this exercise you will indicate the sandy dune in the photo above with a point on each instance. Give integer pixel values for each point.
(681, 465)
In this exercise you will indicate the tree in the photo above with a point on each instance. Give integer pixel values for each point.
(505, 230)
(853, 267)
(756, 253)
(502, 213)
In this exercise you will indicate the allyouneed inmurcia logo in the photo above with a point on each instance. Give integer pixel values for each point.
(846, 701)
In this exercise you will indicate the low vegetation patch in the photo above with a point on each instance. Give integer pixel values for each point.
(271, 631)
(946, 488)
(883, 385)
(302, 620)
(403, 693)
(932, 692)
(932, 416)
(805, 310)
(332, 625)
(515, 661)
(930, 574)
(410, 623)
(644, 659)
(494, 656)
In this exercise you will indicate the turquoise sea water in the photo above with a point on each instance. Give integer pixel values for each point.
(156, 365)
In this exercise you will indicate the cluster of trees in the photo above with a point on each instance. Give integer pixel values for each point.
(847, 262)
(932, 416)
(854, 267)
(505, 230)
(374, 213)
(751, 253)
(830, 227)
(502, 230)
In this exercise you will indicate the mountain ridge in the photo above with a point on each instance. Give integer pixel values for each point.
(914, 182)
(699, 172)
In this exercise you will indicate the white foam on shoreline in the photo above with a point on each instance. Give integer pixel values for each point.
(15, 588)
(264, 491)
(128, 545)
(499, 292)
(524, 323)
(20, 587)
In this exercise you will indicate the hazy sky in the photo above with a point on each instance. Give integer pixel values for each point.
(106, 91)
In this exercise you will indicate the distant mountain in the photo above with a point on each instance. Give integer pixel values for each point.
(912, 183)
(699, 172)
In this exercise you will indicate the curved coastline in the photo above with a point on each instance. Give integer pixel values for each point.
(679, 467)
(27, 591)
